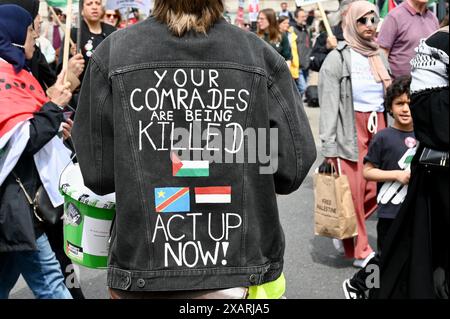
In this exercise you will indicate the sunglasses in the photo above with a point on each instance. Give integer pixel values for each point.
(109, 15)
(365, 20)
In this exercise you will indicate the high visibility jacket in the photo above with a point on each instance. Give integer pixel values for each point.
(271, 290)
(295, 63)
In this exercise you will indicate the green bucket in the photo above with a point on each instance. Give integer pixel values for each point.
(87, 220)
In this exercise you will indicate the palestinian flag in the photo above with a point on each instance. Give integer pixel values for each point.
(59, 3)
(213, 195)
(189, 168)
(386, 6)
(20, 97)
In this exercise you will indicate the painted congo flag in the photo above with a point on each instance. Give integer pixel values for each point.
(189, 168)
(172, 199)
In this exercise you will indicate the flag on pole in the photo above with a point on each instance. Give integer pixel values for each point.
(59, 3)
(386, 7)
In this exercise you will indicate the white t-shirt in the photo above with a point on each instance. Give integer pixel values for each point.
(368, 95)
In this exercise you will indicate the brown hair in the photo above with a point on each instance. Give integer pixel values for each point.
(274, 32)
(182, 16)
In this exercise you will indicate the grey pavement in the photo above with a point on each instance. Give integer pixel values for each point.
(313, 268)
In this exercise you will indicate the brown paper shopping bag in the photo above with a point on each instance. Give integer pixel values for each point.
(334, 212)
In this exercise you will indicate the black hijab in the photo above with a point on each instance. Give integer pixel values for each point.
(14, 22)
(32, 6)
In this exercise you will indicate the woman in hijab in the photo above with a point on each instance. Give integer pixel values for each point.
(352, 83)
(414, 264)
(30, 145)
(47, 77)
(38, 64)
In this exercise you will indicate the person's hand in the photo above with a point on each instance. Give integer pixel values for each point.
(330, 160)
(403, 177)
(59, 93)
(67, 129)
(331, 42)
(76, 64)
(73, 50)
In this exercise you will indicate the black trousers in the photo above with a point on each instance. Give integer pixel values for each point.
(383, 226)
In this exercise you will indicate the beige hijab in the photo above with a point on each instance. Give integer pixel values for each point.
(369, 49)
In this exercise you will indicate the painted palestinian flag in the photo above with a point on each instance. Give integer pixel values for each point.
(20, 96)
(172, 199)
(213, 195)
(189, 168)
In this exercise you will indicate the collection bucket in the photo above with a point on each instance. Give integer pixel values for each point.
(87, 220)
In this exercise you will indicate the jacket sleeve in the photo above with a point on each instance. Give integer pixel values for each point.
(93, 134)
(43, 127)
(296, 148)
(41, 68)
(319, 52)
(286, 48)
(329, 99)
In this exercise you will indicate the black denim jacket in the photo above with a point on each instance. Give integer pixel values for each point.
(206, 223)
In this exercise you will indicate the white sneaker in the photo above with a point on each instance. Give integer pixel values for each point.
(337, 243)
(361, 263)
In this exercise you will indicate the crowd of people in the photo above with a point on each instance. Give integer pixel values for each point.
(382, 88)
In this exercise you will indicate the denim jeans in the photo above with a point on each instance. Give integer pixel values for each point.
(302, 83)
(39, 268)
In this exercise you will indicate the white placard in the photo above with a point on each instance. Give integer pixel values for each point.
(95, 236)
(253, 10)
(143, 5)
(301, 3)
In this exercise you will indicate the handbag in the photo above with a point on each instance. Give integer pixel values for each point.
(334, 212)
(42, 206)
(434, 158)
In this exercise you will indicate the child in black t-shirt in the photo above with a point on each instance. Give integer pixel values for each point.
(388, 163)
(389, 157)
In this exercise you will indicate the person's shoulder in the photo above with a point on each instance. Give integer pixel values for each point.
(399, 11)
(389, 133)
(260, 53)
(384, 134)
(285, 36)
(108, 29)
(432, 16)
(336, 55)
(439, 40)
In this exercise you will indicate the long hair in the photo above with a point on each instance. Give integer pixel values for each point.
(182, 16)
(272, 30)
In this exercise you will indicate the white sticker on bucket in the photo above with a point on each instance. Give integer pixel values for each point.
(74, 251)
(95, 236)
